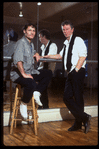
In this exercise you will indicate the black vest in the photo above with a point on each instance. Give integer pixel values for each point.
(69, 55)
(46, 53)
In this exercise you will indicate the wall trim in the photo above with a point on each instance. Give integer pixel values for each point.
(56, 114)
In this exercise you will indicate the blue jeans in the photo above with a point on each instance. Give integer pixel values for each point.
(29, 85)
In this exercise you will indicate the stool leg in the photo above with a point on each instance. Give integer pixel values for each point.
(34, 116)
(14, 108)
(10, 101)
(16, 111)
(17, 104)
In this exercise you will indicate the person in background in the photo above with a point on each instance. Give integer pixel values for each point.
(47, 48)
(24, 73)
(73, 56)
(8, 51)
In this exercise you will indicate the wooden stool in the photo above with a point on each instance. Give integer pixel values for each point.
(10, 93)
(16, 107)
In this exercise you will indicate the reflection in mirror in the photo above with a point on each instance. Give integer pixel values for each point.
(85, 19)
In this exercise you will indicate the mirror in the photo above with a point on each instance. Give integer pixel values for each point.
(84, 16)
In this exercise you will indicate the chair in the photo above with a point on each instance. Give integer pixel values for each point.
(16, 107)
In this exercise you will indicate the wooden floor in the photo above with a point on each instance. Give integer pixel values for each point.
(51, 134)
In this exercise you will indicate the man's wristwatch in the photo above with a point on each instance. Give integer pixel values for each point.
(76, 69)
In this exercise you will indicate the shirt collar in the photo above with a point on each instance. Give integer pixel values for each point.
(66, 41)
(25, 39)
(43, 46)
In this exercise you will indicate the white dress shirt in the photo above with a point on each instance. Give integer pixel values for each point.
(52, 51)
(79, 50)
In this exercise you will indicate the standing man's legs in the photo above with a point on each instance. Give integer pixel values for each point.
(73, 97)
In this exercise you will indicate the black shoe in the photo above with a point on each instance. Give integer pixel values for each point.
(87, 124)
(40, 107)
(75, 127)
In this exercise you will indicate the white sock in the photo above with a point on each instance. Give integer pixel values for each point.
(23, 110)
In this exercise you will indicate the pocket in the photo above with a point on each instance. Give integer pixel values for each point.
(73, 71)
(74, 74)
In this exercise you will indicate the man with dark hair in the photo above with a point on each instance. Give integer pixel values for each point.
(47, 48)
(73, 56)
(46, 33)
(23, 71)
(67, 22)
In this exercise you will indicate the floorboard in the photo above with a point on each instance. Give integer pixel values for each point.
(51, 134)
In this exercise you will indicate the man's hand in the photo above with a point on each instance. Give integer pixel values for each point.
(80, 63)
(27, 76)
(37, 56)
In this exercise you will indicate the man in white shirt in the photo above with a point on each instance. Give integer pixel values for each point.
(47, 48)
(73, 56)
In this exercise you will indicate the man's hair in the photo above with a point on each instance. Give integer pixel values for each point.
(45, 33)
(67, 22)
(28, 24)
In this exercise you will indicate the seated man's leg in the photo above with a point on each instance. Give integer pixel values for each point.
(43, 79)
(29, 86)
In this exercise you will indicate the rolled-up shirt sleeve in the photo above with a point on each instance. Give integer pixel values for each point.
(61, 52)
(52, 49)
(18, 54)
(81, 47)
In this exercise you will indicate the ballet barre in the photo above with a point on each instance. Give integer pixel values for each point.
(60, 60)
(50, 60)
(7, 58)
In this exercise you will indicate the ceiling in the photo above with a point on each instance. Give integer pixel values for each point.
(51, 14)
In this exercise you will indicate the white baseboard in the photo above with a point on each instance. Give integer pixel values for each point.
(57, 114)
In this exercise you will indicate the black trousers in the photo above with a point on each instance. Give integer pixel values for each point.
(29, 85)
(73, 94)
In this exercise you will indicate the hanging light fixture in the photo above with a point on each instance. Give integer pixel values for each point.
(20, 15)
(38, 4)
